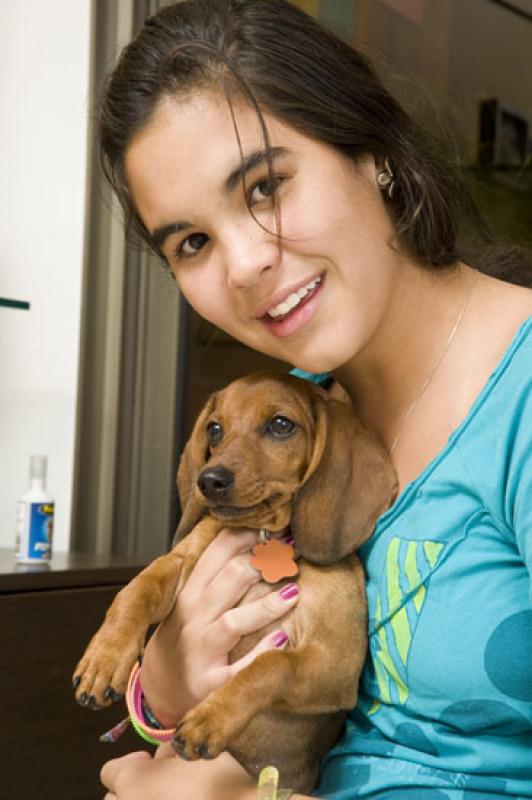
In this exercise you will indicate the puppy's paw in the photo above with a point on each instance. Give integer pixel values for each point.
(102, 674)
(204, 732)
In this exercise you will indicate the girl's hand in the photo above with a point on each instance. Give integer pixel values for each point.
(187, 657)
(138, 776)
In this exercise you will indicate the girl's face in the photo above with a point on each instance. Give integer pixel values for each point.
(314, 297)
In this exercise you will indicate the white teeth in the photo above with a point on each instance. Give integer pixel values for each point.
(282, 308)
(293, 299)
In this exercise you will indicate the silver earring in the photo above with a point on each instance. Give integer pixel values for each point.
(386, 179)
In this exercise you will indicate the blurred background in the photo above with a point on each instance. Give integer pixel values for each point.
(102, 366)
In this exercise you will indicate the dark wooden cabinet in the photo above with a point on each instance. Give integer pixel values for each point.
(49, 746)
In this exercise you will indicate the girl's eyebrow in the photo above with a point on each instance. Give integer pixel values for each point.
(249, 162)
(160, 235)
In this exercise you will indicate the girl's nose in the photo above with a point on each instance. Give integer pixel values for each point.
(250, 251)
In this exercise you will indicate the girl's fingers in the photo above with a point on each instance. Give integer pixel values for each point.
(224, 633)
(225, 590)
(111, 769)
(165, 750)
(277, 640)
(220, 579)
(222, 549)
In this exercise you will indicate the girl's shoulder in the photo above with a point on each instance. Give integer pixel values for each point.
(512, 303)
(503, 308)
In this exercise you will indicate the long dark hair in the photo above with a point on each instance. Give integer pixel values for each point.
(284, 62)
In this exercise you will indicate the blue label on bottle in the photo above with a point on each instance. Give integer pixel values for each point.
(40, 530)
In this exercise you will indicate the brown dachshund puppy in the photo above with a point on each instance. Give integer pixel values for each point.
(268, 452)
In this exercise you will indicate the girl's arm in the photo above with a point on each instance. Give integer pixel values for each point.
(137, 776)
(187, 657)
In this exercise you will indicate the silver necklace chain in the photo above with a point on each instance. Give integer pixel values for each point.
(406, 416)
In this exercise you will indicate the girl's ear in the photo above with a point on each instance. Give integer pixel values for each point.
(348, 484)
(192, 462)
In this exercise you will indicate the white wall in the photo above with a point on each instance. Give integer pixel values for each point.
(44, 71)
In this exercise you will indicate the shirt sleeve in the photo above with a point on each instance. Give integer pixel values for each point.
(496, 455)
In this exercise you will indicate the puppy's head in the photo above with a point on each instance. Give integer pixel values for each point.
(272, 450)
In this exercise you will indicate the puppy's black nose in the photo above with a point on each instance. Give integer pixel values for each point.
(216, 483)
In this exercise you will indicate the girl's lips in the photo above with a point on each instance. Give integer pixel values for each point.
(299, 315)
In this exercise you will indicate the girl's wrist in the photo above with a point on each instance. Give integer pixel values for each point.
(165, 713)
(160, 690)
(140, 715)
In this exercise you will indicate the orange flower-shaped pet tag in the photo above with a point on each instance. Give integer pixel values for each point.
(274, 560)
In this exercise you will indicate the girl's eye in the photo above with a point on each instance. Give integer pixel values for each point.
(192, 245)
(265, 188)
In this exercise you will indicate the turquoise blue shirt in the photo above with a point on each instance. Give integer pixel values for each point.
(445, 708)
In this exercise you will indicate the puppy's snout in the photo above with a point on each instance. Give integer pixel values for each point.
(216, 483)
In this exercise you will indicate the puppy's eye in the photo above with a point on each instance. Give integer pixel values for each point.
(281, 427)
(214, 432)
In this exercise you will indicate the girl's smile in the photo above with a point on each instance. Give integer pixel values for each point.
(276, 280)
(295, 309)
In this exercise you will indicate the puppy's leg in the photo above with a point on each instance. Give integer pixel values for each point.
(317, 674)
(104, 668)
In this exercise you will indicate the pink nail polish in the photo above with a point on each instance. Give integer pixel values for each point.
(280, 639)
(289, 591)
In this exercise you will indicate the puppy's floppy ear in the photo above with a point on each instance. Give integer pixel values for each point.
(348, 484)
(192, 462)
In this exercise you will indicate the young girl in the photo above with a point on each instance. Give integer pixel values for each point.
(302, 211)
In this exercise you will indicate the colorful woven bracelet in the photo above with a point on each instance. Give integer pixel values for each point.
(134, 704)
(148, 715)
